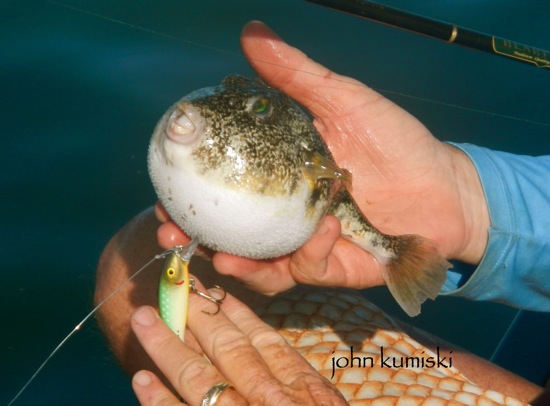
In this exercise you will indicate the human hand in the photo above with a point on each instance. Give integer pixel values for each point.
(404, 179)
(262, 367)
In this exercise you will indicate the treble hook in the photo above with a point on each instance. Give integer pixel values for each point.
(217, 302)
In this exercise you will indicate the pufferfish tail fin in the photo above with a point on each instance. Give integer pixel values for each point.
(416, 273)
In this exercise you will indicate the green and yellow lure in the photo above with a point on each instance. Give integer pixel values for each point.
(174, 288)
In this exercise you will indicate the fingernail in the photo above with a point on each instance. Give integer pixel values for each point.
(142, 378)
(145, 316)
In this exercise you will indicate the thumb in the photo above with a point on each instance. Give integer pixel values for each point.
(323, 92)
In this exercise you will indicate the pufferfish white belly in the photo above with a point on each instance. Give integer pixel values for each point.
(389, 367)
(212, 211)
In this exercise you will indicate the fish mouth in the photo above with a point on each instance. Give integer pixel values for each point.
(184, 125)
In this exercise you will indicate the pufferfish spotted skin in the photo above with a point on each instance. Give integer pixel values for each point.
(242, 170)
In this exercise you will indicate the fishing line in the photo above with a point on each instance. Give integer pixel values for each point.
(141, 28)
(85, 319)
(227, 52)
(470, 109)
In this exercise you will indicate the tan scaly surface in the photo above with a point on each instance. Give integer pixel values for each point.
(324, 324)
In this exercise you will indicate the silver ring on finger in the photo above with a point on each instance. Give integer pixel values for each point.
(211, 397)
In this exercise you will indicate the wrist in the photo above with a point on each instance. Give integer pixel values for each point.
(473, 206)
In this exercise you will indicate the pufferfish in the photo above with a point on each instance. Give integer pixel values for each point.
(242, 170)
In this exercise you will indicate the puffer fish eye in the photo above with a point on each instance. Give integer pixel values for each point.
(260, 106)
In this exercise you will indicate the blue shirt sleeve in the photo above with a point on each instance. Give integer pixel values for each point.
(515, 268)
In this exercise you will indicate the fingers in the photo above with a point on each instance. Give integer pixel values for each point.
(188, 371)
(329, 260)
(325, 260)
(259, 363)
(301, 381)
(170, 235)
(268, 277)
(256, 359)
(309, 263)
(231, 351)
(160, 213)
(150, 391)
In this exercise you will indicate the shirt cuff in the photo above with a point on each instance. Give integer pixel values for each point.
(514, 269)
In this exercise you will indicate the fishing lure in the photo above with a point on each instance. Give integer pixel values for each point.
(173, 294)
(175, 286)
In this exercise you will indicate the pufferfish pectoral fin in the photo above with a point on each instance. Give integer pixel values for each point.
(318, 167)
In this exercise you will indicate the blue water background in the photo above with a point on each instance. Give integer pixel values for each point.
(82, 85)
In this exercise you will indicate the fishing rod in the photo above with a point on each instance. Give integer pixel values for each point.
(441, 30)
